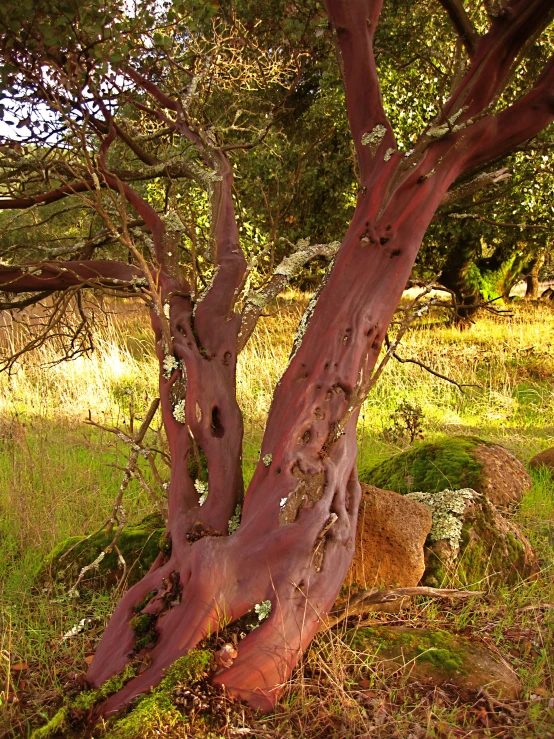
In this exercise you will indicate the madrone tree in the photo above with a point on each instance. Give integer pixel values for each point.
(112, 106)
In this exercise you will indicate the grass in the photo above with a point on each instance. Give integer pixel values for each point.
(59, 477)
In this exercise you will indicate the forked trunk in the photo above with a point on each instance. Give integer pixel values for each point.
(296, 538)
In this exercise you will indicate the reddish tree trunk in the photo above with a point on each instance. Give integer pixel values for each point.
(296, 538)
(532, 278)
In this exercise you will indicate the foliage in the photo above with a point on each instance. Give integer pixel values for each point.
(407, 420)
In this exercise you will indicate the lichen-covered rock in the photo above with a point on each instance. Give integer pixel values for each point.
(389, 540)
(139, 545)
(471, 542)
(543, 459)
(436, 657)
(454, 462)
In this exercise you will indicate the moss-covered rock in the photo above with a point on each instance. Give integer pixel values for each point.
(151, 714)
(471, 543)
(139, 545)
(454, 462)
(437, 657)
(429, 466)
(157, 711)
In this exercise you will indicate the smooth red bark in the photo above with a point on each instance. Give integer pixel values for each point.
(296, 538)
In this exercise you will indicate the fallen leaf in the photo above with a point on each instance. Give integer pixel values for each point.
(89, 658)
(20, 666)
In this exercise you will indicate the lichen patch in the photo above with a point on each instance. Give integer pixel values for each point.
(447, 509)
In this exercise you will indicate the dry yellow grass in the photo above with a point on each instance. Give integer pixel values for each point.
(54, 481)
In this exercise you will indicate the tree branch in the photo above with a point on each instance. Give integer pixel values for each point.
(461, 22)
(510, 33)
(355, 22)
(479, 182)
(288, 268)
(428, 369)
(365, 600)
(495, 136)
(48, 197)
(25, 302)
(51, 276)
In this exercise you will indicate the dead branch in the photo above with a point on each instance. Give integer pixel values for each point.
(365, 600)
(288, 268)
(479, 182)
(459, 385)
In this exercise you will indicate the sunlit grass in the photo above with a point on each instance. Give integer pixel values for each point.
(59, 476)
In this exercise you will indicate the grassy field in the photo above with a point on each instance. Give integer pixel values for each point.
(59, 477)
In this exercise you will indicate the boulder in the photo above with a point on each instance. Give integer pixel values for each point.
(454, 462)
(391, 533)
(389, 540)
(543, 459)
(437, 657)
(139, 545)
(471, 542)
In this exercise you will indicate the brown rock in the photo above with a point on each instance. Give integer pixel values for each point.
(503, 478)
(437, 657)
(389, 540)
(544, 459)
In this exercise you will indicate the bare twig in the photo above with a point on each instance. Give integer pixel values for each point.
(459, 385)
(364, 600)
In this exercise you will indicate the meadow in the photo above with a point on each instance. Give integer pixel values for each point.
(59, 476)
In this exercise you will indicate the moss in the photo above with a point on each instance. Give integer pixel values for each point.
(145, 601)
(439, 648)
(56, 726)
(157, 710)
(486, 552)
(89, 698)
(164, 544)
(142, 623)
(137, 543)
(429, 466)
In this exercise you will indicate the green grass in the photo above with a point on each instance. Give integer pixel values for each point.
(56, 481)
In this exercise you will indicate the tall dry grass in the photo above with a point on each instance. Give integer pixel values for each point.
(56, 480)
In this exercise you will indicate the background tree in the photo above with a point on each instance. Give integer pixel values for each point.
(116, 115)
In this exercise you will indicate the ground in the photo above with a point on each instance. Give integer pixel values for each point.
(56, 481)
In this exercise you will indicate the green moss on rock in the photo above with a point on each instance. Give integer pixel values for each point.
(157, 710)
(490, 548)
(439, 648)
(435, 656)
(57, 726)
(138, 544)
(429, 466)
